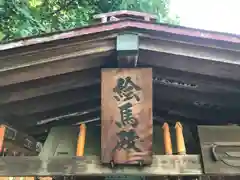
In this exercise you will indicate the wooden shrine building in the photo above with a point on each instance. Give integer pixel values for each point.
(55, 80)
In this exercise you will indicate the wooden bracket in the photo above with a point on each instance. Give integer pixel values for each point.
(127, 50)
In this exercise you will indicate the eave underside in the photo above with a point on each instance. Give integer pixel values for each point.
(50, 85)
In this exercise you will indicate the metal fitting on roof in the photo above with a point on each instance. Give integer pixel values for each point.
(118, 15)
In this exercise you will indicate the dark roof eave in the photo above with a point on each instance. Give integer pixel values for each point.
(123, 24)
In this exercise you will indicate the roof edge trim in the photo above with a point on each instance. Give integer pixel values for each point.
(122, 24)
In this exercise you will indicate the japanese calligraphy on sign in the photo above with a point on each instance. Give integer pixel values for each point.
(126, 89)
(126, 115)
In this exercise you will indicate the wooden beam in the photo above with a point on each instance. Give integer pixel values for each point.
(211, 54)
(197, 114)
(92, 122)
(90, 114)
(190, 64)
(157, 28)
(193, 81)
(90, 166)
(56, 67)
(45, 86)
(48, 102)
(217, 100)
(60, 114)
(56, 53)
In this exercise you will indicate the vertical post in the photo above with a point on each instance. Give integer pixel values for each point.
(81, 140)
(181, 149)
(2, 134)
(167, 139)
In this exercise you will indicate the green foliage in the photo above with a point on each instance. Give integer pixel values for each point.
(22, 18)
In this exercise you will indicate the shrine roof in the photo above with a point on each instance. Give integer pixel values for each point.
(120, 25)
(54, 79)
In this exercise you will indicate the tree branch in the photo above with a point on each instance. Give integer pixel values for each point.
(61, 8)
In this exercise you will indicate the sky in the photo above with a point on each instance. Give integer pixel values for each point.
(215, 15)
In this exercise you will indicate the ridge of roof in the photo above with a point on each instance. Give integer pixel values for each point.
(118, 25)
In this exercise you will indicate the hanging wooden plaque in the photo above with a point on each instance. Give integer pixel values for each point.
(126, 116)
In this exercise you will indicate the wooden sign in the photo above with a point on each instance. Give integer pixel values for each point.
(220, 147)
(13, 142)
(126, 116)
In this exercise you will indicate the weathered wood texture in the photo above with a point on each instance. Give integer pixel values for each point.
(93, 140)
(16, 178)
(13, 142)
(45, 86)
(191, 64)
(220, 146)
(91, 166)
(61, 141)
(126, 115)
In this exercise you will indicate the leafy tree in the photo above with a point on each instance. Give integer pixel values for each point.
(22, 18)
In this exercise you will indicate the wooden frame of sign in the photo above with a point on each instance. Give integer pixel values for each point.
(126, 116)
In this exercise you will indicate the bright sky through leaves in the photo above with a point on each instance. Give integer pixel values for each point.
(215, 15)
